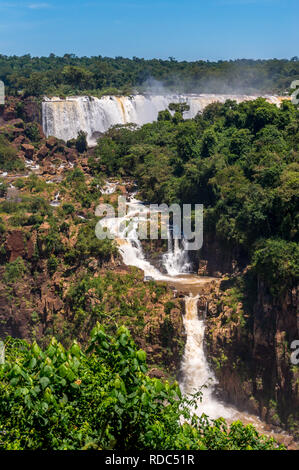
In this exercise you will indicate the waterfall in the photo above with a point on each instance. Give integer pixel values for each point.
(195, 368)
(108, 188)
(55, 202)
(197, 374)
(176, 261)
(125, 230)
(64, 118)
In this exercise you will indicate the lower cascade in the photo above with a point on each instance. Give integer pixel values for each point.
(197, 374)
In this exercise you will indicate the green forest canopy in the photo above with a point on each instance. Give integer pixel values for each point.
(239, 160)
(73, 75)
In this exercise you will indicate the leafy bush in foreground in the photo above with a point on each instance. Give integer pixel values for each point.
(101, 399)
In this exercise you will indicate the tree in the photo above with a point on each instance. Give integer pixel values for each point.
(8, 156)
(81, 142)
(164, 115)
(209, 141)
(78, 76)
(180, 108)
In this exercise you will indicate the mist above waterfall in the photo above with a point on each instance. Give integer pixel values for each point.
(234, 82)
(151, 86)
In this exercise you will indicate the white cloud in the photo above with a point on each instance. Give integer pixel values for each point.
(39, 6)
(22, 5)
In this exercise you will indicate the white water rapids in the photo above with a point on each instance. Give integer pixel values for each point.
(64, 118)
(130, 245)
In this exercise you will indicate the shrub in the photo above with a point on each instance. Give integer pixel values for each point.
(81, 142)
(102, 399)
(8, 156)
(276, 261)
(32, 132)
(14, 271)
(52, 264)
(68, 209)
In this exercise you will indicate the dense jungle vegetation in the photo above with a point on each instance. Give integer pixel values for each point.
(102, 398)
(35, 76)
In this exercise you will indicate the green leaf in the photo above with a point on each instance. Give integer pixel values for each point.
(158, 386)
(141, 355)
(121, 398)
(32, 363)
(123, 339)
(70, 375)
(62, 370)
(44, 381)
(145, 399)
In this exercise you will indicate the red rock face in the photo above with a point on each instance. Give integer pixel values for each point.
(15, 244)
(256, 373)
(71, 154)
(9, 113)
(18, 246)
(32, 111)
(29, 109)
(20, 140)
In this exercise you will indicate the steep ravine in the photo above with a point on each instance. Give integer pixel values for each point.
(196, 370)
(248, 337)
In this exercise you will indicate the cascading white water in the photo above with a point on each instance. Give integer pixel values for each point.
(195, 367)
(109, 188)
(176, 261)
(197, 374)
(64, 118)
(128, 240)
(55, 202)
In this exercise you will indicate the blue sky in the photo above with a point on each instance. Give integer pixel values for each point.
(186, 30)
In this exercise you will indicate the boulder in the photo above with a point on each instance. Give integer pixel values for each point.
(59, 156)
(71, 154)
(9, 113)
(51, 142)
(19, 140)
(28, 150)
(17, 123)
(43, 152)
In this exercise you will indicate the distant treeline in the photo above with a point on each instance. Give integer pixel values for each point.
(35, 76)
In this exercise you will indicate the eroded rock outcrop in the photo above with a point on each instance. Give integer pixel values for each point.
(248, 346)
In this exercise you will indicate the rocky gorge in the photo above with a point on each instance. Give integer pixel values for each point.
(55, 279)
